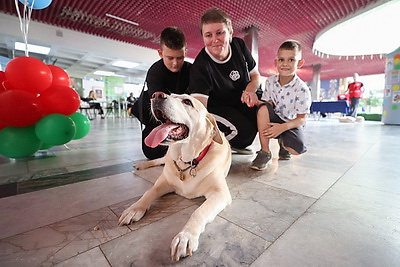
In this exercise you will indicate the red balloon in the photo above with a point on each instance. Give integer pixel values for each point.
(60, 77)
(19, 108)
(2, 76)
(60, 99)
(7, 86)
(2, 81)
(28, 74)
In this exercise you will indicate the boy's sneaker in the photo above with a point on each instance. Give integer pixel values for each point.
(261, 161)
(283, 153)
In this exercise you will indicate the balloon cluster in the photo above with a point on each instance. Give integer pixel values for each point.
(36, 4)
(37, 108)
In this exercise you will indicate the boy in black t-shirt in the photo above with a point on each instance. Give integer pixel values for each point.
(168, 75)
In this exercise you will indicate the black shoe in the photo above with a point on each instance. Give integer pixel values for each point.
(283, 153)
(242, 151)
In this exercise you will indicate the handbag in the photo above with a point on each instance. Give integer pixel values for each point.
(141, 108)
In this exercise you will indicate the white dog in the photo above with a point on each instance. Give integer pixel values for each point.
(196, 164)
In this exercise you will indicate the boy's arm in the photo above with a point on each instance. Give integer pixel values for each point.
(249, 95)
(297, 122)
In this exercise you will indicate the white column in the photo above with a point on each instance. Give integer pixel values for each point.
(251, 40)
(316, 82)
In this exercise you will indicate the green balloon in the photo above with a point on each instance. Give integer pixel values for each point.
(55, 129)
(45, 146)
(19, 142)
(82, 124)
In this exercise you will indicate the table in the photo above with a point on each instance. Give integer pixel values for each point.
(117, 108)
(341, 106)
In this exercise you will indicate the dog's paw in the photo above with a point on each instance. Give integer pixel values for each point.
(141, 165)
(183, 244)
(131, 214)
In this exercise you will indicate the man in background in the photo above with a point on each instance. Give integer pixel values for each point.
(355, 90)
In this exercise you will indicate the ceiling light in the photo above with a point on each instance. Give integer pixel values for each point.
(125, 64)
(372, 32)
(103, 73)
(107, 73)
(32, 48)
(122, 19)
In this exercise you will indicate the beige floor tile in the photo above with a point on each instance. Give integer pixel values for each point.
(335, 205)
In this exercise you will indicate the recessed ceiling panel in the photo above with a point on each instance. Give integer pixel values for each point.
(276, 20)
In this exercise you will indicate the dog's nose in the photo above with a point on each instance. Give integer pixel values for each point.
(159, 95)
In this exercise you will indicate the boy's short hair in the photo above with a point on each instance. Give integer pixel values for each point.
(216, 15)
(291, 45)
(173, 38)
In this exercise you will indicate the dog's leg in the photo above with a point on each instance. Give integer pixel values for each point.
(137, 210)
(141, 165)
(187, 240)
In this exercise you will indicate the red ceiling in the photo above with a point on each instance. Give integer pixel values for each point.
(277, 21)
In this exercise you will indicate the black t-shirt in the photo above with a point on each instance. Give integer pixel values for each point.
(224, 81)
(159, 78)
(131, 99)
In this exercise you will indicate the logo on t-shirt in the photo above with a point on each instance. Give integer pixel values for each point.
(234, 75)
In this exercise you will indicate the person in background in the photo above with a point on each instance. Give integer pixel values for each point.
(168, 75)
(355, 90)
(283, 108)
(96, 105)
(131, 99)
(224, 77)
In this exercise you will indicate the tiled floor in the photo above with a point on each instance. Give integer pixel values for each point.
(336, 205)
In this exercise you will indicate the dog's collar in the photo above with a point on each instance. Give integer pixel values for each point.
(192, 164)
(201, 155)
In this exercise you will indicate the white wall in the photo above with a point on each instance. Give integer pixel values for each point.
(89, 85)
(136, 89)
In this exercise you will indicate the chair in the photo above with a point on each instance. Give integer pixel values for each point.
(112, 108)
(88, 110)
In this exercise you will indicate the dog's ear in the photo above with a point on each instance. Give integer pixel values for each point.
(216, 132)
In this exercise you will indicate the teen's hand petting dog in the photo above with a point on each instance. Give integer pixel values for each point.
(196, 164)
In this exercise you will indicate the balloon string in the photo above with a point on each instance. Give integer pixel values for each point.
(24, 21)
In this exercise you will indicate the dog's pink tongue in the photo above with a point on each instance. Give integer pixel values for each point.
(158, 134)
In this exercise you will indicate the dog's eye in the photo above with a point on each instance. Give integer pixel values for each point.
(187, 102)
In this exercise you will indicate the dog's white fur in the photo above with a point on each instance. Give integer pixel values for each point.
(210, 173)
